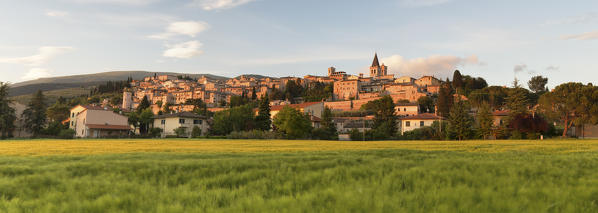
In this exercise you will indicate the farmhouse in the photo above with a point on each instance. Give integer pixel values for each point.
(97, 122)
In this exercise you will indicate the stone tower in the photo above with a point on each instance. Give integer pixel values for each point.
(127, 100)
(331, 71)
(377, 70)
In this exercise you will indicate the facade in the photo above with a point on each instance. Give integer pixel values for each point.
(309, 108)
(407, 109)
(410, 123)
(186, 120)
(97, 122)
(345, 90)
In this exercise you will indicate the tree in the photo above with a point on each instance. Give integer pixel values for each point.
(517, 102)
(537, 84)
(144, 104)
(262, 120)
(568, 103)
(234, 119)
(318, 91)
(292, 90)
(58, 112)
(445, 99)
(146, 117)
(7, 113)
(385, 120)
(460, 121)
(166, 108)
(327, 128)
(253, 94)
(485, 121)
(426, 104)
(293, 123)
(457, 81)
(35, 114)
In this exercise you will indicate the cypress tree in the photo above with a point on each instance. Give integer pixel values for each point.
(460, 121)
(35, 114)
(262, 120)
(485, 121)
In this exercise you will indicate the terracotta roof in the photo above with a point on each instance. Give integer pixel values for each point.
(179, 114)
(100, 126)
(294, 106)
(501, 113)
(423, 116)
(91, 107)
(315, 119)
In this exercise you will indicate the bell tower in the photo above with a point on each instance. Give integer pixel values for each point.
(377, 70)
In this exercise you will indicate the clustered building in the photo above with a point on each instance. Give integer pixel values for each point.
(350, 92)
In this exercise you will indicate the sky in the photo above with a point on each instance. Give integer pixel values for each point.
(496, 40)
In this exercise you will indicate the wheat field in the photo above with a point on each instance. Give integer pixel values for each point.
(181, 175)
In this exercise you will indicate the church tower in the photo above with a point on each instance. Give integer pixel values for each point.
(377, 70)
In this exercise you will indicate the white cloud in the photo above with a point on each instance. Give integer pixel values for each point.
(583, 36)
(43, 55)
(188, 28)
(56, 13)
(183, 50)
(36, 73)
(219, 4)
(437, 65)
(423, 3)
(553, 68)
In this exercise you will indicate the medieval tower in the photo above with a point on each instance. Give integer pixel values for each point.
(377, 70)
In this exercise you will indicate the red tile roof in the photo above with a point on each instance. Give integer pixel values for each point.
(423, 116)
(501, 113)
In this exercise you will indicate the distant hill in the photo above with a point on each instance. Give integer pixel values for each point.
(88, 80)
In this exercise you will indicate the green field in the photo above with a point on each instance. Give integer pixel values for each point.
(298, 176)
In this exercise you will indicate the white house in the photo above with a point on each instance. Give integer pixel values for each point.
(97, 122)
(186, 120)
(417, 121)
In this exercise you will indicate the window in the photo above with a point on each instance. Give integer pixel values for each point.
(421, 123)
(163, 122)
(197, 121)
(404, 109)
(73, 115)
(407, 123)
(72, 123)
(181, 121)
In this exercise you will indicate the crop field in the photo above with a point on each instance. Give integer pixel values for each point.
(298, 176)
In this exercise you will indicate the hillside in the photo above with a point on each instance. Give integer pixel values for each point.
(87, 80)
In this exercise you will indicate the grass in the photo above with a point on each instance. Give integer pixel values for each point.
(298, 176)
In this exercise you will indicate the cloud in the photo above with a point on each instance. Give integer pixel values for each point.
(437, 65)
(423, 3)
(36, 73)
(519, 68)
(118, 2)
(188, 28)
(56, 13)
(583, 36)
(582, 19)
(219, 4)
(183, 50)
(553, 68)
(43, 55)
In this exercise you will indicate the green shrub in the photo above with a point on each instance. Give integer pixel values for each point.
(155, 132)
(66, 134)
(181, 132)
(196, 132)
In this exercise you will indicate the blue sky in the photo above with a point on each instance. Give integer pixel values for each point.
(497, 40)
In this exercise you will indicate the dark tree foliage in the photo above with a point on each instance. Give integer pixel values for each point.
(517, 102)
(318, 91)
(144, 104)
(445, 99)
(457, 81)
(35, 114)
(58, 112)
(495, 96)
(236, 101)
(484, 121)
(292, 123)
(276, 94)
(527, 123)
(537, 84)
(426, 104)
(385, 120)
(253, 94)
(460, 122)
(112, 87)
(262, 120)
(7, 113)
(292, 90)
